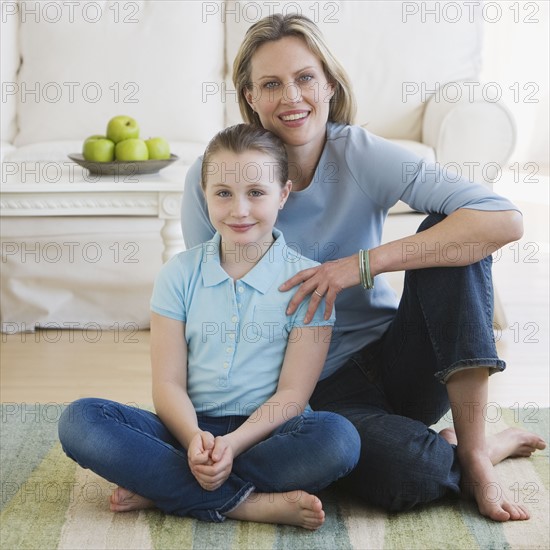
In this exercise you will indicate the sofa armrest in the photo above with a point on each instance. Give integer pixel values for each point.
(472, 134)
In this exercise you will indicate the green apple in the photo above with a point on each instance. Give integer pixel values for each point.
(122, 127)
(131, 149)
(98, 149)
(158, 148)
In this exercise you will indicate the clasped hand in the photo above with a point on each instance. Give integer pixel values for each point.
(210, 460)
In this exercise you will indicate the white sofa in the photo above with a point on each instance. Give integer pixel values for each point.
(67, 67)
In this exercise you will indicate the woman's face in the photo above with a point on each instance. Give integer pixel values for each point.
(290, 91)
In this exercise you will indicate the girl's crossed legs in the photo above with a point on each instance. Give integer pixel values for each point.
(270, 482)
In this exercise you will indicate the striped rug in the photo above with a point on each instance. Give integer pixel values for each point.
(48, 502)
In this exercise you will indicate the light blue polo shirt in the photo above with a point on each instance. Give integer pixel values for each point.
(236, 331)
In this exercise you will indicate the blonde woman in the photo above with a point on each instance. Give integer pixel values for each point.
(394, 367)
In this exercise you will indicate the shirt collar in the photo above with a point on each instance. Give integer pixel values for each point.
(260, 277)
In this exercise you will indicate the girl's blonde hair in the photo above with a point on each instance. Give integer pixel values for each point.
(244, 137)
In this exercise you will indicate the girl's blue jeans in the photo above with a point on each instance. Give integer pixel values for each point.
(132, 448)
(394, 389)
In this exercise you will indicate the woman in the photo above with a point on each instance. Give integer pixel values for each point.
(393, 369)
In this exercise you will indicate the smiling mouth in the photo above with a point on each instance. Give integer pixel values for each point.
(297, 116)
(243, 227)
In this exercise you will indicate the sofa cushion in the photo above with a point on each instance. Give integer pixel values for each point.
(394, 52)
(5, 149)
(133, 58)
(9, 64)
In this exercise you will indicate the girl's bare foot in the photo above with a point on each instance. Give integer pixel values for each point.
(293, 508)
(123, 500)
(480, 481)
(510, 443)
(449, 435)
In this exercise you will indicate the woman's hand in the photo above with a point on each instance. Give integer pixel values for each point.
(210, 460)
(324, 281)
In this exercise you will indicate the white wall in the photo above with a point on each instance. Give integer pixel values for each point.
(516, 55)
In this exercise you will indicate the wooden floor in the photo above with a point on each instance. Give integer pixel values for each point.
(59, 367)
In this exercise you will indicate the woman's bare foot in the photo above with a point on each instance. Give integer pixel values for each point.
(123, 500)
(510, 443)
(479, 478)
(480, 481)
(513, 442)
(293, 508)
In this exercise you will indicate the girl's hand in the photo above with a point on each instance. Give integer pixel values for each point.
(199, 451)
(324, 281)
(211, 466)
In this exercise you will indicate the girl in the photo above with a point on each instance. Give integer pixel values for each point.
(232, 373)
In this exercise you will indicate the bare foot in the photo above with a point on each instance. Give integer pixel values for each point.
(510, 443)
(513, 442)
(449, 435)
(123, 500)
(293, 508)
(480, 481)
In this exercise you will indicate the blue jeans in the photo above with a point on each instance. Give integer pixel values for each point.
(394, 389)
(132, 448)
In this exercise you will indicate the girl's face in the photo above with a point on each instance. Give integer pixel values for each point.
(290, 91)
(244, 196)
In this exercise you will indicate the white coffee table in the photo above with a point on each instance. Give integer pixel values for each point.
(66, 189)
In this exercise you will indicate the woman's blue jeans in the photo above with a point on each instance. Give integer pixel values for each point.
(132, 448)
(394, 389)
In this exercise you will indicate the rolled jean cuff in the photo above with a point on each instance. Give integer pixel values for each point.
(236, 500)
(494, 365)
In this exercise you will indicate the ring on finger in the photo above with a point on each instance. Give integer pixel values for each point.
(318, 294)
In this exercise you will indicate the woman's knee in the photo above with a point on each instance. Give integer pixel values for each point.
(340, 438)
(430, 221)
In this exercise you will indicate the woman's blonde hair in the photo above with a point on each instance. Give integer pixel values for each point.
(274, 27)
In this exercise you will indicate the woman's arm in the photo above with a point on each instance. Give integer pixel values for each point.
(462, 238)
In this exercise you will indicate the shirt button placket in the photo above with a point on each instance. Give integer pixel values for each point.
(230, 348)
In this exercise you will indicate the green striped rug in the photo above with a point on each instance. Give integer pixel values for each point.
(49, 502)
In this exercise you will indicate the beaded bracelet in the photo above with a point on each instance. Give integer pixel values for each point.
(364, 270)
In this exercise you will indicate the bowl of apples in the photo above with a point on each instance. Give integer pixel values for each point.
(121, 151)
